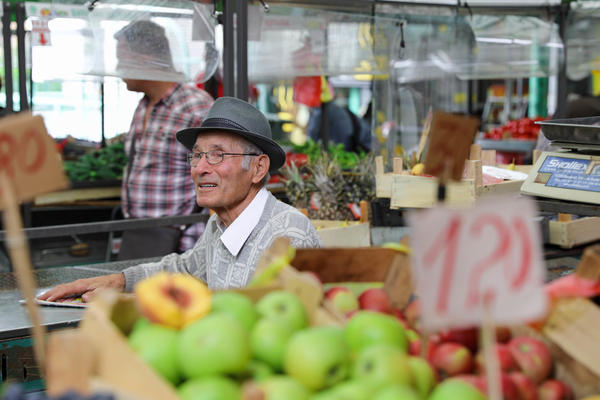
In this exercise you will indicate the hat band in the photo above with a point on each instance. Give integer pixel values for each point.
(222, 123)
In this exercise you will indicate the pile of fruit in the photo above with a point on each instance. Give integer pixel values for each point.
(520, 129)
(221, 345)
(525, 362)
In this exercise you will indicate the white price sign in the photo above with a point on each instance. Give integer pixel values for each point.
(489, 254)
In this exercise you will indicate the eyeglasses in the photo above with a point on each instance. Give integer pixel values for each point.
(213, 157)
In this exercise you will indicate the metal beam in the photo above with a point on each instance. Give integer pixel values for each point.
(108, 226)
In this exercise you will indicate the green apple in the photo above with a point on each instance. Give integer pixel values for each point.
(259, 370)
(397, 391)
(157, 346)
(353, 390)
(215, 344)
(283, 305)
(382, 364)
(369, 327)
(268, 341)
(237, 305)
(423, 375)
(141, 322)
(317, 357)
(209, 388)
(456, 389)
(282, 387)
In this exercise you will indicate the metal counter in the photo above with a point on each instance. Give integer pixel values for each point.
(14, 321)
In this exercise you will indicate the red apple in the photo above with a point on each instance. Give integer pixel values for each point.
(414, 346)
(553, 389)
(525, 386)
(503, 334)
(452, 359)
(532, 356)
(506, 361)
(510, 391)
(468, 337)
(375, 299)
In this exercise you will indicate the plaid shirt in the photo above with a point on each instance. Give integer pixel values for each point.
(159, 182)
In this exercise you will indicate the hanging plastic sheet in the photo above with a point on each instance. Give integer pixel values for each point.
(583, 39)
(441, 42)
(154, 40)
(288, 42)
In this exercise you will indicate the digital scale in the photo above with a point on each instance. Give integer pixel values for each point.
(571, 173)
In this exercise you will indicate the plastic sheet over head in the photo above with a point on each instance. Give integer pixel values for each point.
(154, 40)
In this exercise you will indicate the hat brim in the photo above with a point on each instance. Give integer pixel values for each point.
(276, 155)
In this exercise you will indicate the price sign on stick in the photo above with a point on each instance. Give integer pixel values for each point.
(449, 143)
(488, 255)
(29, 165)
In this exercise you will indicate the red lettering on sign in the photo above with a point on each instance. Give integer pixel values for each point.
(526, 254)
(31, 138)
(7, 154)
(447, 239)
(494, 258)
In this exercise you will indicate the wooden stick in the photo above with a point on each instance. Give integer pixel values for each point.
(398, 165)
(492, 367)
(425, 134)
(19, 254)
(70, 362)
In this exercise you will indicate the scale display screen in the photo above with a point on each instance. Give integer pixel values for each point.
(574, 177)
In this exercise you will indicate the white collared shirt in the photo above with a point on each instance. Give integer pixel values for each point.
(237, 233)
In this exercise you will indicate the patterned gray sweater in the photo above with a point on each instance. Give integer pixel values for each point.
(210, 260)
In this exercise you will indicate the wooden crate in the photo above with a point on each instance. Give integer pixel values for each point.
(343, 233)
(568, 234)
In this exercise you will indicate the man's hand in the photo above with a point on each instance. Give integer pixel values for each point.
(86, 288)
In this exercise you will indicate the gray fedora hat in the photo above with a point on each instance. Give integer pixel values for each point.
(229, 114)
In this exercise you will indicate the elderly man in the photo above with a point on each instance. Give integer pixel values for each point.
(231, 155)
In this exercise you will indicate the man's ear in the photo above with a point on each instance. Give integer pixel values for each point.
(261, 168)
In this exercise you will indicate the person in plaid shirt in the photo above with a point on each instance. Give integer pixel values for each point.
(157, 181)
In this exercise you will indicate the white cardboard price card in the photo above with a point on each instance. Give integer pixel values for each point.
(465, 258)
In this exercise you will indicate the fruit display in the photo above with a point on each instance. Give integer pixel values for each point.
(521, 129)
(327, 186)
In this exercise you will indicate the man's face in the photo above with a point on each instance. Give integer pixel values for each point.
(225, 185)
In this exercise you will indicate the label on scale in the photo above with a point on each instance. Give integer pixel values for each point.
(565, 176)
(571, 173)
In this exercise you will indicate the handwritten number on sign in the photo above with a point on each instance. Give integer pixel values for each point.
(494, 258)
(449, 240)
(446, 246)
(27, 154)
(527, 254)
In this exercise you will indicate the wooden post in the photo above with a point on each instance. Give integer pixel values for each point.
(398, 165)
(19, 254)
(475, 152)
(492, 367)
(364, 211)
(379, 170)
(488, 157)
(474, 172)
(589, 266)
